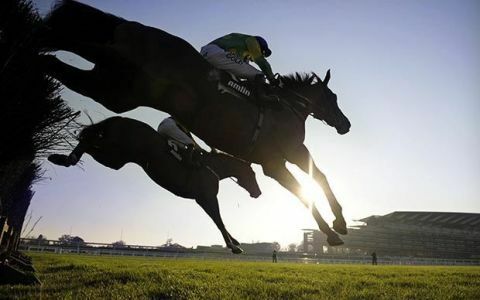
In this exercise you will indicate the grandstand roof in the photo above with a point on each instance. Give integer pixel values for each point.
(436, 219)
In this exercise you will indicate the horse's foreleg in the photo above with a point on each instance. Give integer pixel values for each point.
(302, 158)
(234, 241)
(210, 206)
(281, 174)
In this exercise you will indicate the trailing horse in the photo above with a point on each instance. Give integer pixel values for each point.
(117, 141)
(137, 65)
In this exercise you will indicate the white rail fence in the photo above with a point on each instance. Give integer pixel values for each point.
(149, 251)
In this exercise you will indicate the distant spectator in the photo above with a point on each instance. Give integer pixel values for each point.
(374, 258)
(274, 256)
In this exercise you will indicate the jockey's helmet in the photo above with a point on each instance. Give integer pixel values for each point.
(263, 46)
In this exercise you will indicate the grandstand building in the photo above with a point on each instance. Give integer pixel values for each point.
(404, 233)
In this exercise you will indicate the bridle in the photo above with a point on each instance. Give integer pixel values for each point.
(305, 102)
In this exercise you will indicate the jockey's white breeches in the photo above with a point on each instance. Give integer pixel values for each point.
(229, 62)
(169, 128)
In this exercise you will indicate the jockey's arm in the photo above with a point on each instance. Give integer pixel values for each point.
(257, 56)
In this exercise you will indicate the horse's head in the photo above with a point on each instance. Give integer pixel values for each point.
(324, 105)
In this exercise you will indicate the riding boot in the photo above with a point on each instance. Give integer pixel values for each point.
(193, 156)
(198, 157)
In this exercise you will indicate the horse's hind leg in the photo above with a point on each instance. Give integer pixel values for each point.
(68, 160)
(210, 206)
(281, 174)
(82, 22)
(94, 53)
(302, 158)
(80, 81)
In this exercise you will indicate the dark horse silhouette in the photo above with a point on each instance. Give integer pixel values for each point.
(137, 65)
(117, 141)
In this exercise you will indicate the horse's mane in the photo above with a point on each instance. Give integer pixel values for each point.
(296, 83)
(298, 80)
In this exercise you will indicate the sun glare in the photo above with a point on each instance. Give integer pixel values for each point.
(311, 190)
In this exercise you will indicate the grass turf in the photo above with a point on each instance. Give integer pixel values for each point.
(100, 277)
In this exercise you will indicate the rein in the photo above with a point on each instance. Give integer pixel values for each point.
(261, 117)
(258, 127)
(290, 106)
(304, 101)
(295, 110)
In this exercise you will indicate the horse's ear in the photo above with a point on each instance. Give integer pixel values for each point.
(315, 76)
(327, 77)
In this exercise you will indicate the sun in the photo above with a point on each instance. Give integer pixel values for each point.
(311, 191)
(309, 188)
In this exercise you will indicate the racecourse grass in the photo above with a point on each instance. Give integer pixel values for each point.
(104, 277)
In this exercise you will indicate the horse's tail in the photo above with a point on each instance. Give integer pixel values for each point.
(71, 19)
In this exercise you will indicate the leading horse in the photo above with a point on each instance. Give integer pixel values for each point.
(137, 65)
(116, 141)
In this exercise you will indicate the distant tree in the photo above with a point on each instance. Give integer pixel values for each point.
(77, 240)
(292, 247)
(300, 247)
(64, 239)
(276, 246)
(170, 244)
(41, 238)
(177, 246)
(119, 244)
(67, 239)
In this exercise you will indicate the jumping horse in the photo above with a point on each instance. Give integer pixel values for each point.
(137, 65)
(116, 141)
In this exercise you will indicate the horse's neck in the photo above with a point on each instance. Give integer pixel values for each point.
(293, 98)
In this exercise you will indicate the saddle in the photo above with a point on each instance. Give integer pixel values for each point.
(243, 89)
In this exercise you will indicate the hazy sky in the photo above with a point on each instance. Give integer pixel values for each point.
(406, 73)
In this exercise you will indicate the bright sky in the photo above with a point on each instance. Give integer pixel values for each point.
(406, 73)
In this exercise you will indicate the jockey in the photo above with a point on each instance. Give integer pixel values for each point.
(170, 128)
(234, 51)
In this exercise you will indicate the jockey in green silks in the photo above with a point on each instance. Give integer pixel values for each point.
(234, 51)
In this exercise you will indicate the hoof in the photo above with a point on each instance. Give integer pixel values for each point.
(234, 242)
(334, 240)
(236, 250)
(255, 194)
(59, 159)
(340, 226)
